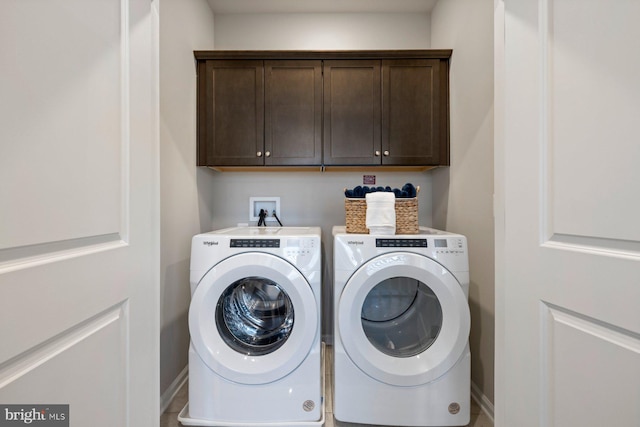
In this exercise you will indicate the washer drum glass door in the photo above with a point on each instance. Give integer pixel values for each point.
(403, 319)
(253, 318)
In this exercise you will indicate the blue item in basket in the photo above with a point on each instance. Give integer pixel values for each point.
(408, 191)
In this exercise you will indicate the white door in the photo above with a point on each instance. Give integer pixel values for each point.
(403, 319)
(79, 320)
(253, 318)
(568, 213)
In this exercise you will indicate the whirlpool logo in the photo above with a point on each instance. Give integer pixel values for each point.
(34, 415)
(355, 242)
(210, 243)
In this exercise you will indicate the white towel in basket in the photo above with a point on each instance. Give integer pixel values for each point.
(381, 213)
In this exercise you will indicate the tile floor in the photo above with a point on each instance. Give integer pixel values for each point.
(170, 417)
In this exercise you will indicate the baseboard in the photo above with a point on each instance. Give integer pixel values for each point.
(172, 390)
(482, 400)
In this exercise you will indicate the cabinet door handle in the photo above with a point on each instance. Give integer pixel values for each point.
(386, 153)
(259, 154)
(267, 153)
(377, 153)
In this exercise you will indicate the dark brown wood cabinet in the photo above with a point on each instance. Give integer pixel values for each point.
(413, 109)
(255, 113)
(386, 112)
(293, 112)
(339, 108)
(352, 112)
(230, 113)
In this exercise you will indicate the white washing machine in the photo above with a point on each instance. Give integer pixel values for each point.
(401, 329)
(254, 319)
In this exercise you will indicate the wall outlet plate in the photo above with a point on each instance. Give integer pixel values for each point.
(269, 204)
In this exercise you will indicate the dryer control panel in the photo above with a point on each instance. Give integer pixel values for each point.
(451, 245)
(448, 245)
(401, 243)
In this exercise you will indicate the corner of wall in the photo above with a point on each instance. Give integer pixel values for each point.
(463, 192)
(181, 205)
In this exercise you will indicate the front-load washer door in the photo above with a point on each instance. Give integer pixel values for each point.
(253, 318)
(403, 319)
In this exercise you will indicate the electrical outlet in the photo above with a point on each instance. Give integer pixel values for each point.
(269, 204)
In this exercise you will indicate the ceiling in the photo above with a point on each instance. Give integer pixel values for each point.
(322, 6)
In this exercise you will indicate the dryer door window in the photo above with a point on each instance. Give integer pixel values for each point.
(403, 319)
(254, 316)
(401, 316)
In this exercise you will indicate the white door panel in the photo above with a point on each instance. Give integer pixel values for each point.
(79, 320)
(590, 110)
(568, 334)
(82, 366)
(62, 120)
(584, 354)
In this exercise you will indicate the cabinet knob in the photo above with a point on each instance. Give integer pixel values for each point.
(259, 154)
(386, 153)
(377, 153)
(267, 153)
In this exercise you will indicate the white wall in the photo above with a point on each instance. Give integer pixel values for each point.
(314, 198)
(463, 193)
(185, 189)
(322, 31)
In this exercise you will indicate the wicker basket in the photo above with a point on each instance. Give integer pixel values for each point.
(406, 215)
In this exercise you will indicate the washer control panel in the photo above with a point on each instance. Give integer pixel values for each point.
(254, 243)
(303, 252)
(297, 247)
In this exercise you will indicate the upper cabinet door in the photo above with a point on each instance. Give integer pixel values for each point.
(293, 112)
(230, 113)
(414, 109)
(352, 111)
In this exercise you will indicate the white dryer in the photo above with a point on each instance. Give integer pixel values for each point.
(254, 319)
(401, 329)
